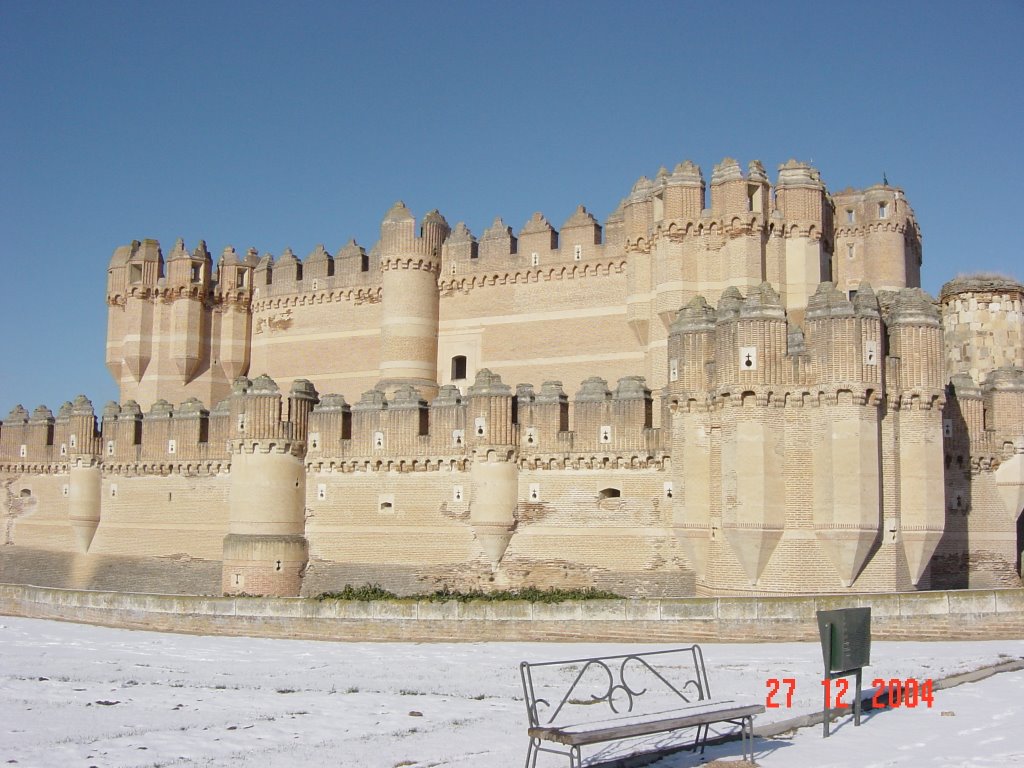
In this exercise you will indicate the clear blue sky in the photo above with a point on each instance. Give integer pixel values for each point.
(293, 124)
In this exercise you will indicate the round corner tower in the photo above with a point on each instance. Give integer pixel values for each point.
(265, 551)
(983, 325)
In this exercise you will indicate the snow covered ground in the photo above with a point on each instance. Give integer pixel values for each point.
(80, 696)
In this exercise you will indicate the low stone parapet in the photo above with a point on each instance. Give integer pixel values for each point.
(965, 614)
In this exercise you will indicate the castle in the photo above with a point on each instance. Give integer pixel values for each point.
(743, 395)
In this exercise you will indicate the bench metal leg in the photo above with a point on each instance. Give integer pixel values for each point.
(531, 753)
(747, 738)
(700, 740)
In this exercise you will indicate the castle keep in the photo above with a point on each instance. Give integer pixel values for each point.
(731, 390)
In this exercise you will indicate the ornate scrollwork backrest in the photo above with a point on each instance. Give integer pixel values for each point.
(618, 681)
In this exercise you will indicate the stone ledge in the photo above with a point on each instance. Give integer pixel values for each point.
(957, 614)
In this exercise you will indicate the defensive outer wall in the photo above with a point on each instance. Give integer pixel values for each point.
(739, 393)
(961, 614)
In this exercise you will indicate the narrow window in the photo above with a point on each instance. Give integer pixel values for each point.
(851, 217)
(883, 210)
(535, 259)
(851, 250)
(240, 278)
(577, 252)
(364, 263)
(458, 367)
(197, 273)
(135, 273)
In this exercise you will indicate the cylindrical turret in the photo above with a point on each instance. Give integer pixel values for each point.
(877, 239)
(84, 472)
(409, 316)
(801, 198)
(983, 324)
(684, 192)
(265, 551)
(494, 478)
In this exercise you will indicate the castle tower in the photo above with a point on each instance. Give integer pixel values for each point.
(983, 325)
(410, 311)
(691, 350)
(916, 390)
(876, 239)
(806, 258)
(740, 206)
(844, 339)
(84, 479)
(751, 341)
(265, 551)
(234, 294)
(639, 222)
(493, 474)
(132, 279)
(188, 283)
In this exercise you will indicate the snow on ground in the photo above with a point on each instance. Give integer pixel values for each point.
(79, 696)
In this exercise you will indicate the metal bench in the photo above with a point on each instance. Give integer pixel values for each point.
(581, 702)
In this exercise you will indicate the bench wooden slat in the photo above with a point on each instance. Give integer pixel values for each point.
(627, 727)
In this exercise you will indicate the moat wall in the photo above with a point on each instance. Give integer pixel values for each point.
(954, 615)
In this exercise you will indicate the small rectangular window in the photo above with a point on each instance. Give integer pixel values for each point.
(458, 367)
(135, 273)
(883, 210)
(197, 273)
(851, 216)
